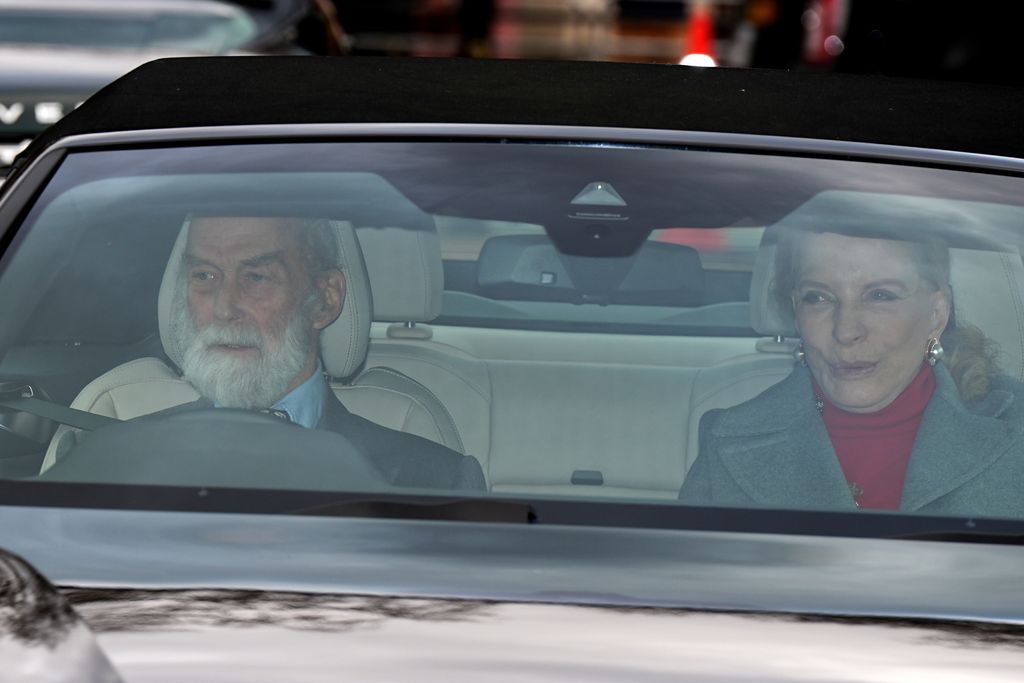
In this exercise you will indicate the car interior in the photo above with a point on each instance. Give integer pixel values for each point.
(568, 330)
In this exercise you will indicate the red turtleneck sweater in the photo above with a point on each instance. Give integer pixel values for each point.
(874, 448)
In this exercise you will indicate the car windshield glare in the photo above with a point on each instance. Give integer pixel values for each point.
(673, 326)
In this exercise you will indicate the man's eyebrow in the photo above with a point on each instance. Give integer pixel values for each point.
(253, 262)
(264, 259)
(885, 282)
(193, 260)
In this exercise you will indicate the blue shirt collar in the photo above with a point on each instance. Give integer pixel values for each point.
(305, 403)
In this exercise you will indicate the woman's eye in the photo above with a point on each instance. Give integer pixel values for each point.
(256, 277)
(881, 295)
(202, 276)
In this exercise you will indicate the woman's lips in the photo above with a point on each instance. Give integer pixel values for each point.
(852, 370)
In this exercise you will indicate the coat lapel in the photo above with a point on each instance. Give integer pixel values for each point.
(778, 451)
(954, 445)
(335, 417)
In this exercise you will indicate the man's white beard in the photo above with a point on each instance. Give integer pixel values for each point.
(231, 382)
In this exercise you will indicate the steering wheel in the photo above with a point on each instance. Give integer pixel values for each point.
(217, 447)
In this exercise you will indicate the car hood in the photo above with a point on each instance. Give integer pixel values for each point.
(522, 563)
(175, 596)
(272, 636)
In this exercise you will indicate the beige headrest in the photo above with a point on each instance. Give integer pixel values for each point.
(405, 269)
(987, 292)
(343, 343)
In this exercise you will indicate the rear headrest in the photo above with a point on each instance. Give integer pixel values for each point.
(987, 290)
(343, 343)
(405, 270)
(987, 283)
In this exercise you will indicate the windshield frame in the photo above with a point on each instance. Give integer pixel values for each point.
(568, 134)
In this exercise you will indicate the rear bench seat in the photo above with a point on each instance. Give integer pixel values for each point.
(567, 413)
(608, 412)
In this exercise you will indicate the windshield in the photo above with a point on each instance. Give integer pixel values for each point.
(680, 327)
(199, 27)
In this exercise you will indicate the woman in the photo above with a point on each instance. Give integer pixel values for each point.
(890, 406)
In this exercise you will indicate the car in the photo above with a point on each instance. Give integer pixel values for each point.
(55, 53)
(561, 272)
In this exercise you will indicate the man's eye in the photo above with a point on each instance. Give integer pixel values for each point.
(256, 277)
(813, 297)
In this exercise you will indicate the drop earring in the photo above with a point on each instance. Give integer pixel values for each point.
(934, 351)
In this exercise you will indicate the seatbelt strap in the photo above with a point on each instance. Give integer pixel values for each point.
(71, 417)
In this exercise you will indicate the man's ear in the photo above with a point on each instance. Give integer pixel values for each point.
(331, 286)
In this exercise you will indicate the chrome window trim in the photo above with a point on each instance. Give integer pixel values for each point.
(582, 134)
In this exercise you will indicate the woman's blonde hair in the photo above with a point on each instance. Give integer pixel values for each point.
(969, 354)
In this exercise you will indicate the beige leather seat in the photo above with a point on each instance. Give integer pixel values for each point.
(407, 277)
(148, 385)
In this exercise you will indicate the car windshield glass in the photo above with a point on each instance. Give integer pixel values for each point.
(124, 26)
(596, 322)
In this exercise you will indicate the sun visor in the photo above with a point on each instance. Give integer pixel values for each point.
(874, 215)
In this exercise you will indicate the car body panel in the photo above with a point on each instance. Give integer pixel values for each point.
(480, 561)
(221, 635)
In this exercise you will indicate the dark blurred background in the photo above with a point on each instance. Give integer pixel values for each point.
(938, 39)
(55, 53)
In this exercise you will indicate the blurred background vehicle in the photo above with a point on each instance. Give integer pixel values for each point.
(55, 53)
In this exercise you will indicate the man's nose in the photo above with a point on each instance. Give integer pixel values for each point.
(226, 301)
(848, 324)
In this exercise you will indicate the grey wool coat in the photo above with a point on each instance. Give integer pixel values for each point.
(774, 451)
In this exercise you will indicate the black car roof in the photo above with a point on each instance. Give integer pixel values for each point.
(225, 91)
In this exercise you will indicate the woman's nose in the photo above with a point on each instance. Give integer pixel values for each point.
(848, 325)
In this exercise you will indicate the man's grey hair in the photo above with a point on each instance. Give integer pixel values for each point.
(318, 244)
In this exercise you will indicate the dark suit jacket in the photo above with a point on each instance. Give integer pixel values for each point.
(403, 459)
(774, 451)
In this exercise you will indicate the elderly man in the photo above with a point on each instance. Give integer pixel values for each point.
(254, 295)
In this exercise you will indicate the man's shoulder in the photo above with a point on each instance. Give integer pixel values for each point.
(406, 459)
